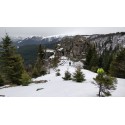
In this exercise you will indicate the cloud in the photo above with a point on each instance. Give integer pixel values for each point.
(48, 31)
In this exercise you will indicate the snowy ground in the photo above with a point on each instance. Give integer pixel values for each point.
(57, 87)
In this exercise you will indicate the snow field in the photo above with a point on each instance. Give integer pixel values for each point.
(57, 87)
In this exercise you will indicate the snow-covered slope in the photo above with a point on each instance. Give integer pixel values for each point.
(36, 40)
(57, 87)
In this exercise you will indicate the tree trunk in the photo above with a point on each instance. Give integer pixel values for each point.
(100, 90)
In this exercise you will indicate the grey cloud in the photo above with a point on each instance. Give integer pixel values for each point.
(48, 31)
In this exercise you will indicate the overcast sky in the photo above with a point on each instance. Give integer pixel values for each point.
(48, 31)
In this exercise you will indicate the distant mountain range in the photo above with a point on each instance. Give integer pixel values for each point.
(116, 38)
(36, 40)
(72, 44)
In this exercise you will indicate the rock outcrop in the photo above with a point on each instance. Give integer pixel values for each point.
(75, 47)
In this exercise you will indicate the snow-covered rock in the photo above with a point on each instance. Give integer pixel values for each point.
(60, 49)
(78, 64)
(50, 50)
(51, 57)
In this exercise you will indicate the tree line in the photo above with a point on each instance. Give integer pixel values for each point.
(111, 60)
(13, 71)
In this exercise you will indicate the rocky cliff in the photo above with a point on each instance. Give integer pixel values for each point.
(76, 46)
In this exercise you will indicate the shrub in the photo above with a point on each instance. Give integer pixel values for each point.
(25, 79)
(35, 72)
(58, 72)
(67, 76)
(43, 71)
(94, 68)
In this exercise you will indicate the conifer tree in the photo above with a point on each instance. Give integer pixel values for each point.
(92, 58)
(40, 68)
(67, 75)
(11, 64)
(107, 57)
(88, 57)
(58, 72)
(35, 72)
(78, 75)
(105, 83)
(55, 62)
(1, 81)
(94, 61)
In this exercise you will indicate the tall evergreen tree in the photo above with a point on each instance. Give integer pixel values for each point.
(107, 58)
(88, 57)
(55, 61)
(40, 68)
(94, 60)
(11, 64)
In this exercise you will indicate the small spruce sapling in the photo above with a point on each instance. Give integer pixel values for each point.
(67, 76)
(58, 72)
(78, 75)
